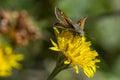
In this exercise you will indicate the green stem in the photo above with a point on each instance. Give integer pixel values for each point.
(54, 73)
(59, 66)
(57, 69)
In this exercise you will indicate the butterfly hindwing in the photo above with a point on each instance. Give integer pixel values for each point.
(81, 22)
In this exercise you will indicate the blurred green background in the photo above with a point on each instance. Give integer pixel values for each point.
(102, 28)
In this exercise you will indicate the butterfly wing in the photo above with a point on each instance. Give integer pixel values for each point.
(65, 22)
(81, 22)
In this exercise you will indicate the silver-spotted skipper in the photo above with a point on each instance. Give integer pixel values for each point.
(66, 23)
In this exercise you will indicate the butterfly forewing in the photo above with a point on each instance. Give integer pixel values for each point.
(65, 22)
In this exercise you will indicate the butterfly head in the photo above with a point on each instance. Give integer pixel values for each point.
(78, 30)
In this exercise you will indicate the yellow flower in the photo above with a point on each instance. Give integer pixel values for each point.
(8, 60)
(77, 51)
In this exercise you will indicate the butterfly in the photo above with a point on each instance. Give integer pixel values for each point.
(66, 23)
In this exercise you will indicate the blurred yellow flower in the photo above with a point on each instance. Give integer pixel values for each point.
(8, 60)
(76, 50)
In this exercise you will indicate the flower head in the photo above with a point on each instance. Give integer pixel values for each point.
(18, 26)
(77, 51)
(8, 60)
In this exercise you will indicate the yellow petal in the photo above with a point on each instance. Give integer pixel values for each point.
(66, 62)
(56, 31)
(20, 57)
(54, 44)
(5, 73)
(76, 69)
(89, 72)
(54, 48)
(8, 50)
